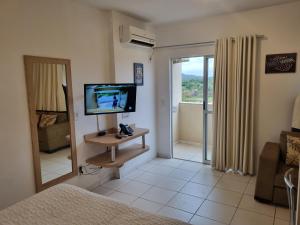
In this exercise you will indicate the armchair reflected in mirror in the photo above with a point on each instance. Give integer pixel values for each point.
(50, 102)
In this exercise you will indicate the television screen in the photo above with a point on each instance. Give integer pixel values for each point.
(109, 98)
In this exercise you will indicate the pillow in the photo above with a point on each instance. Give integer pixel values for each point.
(47, 120)
(283, 142)
(293, 151)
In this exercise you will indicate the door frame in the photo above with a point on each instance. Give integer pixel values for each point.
(206, 112)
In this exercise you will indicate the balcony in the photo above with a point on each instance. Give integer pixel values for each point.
(188, 131)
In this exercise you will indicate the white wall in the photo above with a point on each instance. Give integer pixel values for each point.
(56, 28)
(275, 93)
(191, 123)
(176, 99)
(124, 57)
(89, 38)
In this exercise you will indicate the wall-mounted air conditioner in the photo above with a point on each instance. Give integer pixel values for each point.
(136, 36)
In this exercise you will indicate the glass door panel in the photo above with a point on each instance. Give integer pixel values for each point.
(208, 108)
(192, 108)
(187, 113)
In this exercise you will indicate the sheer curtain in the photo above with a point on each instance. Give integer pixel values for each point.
(235, 66)
(48, 80)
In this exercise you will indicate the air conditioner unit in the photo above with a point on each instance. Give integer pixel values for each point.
(136, 36)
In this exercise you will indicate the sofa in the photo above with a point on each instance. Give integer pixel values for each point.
(270, 186)
(54, 137)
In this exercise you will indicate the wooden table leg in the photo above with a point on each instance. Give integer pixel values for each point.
(143, 141)
(113, 153)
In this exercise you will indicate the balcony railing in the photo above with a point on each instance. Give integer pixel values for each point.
(188, 123)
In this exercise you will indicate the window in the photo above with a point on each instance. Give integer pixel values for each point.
(192, 76)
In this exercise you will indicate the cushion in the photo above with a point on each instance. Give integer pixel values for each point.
(293, 151)
(283, 142)
(47, 120)
(61, 117)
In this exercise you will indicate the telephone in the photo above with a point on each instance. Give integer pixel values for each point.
(125, 129)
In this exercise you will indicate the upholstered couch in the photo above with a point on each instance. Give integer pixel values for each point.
(270, 186)
(54, 137)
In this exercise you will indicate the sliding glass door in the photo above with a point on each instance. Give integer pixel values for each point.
(192, 108)
(208, 93)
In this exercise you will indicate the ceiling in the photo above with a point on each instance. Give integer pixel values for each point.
(166, 11)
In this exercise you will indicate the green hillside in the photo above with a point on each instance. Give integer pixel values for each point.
(192, 88)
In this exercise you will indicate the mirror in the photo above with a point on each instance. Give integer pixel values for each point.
(50, 102)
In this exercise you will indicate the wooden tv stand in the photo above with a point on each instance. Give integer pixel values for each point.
(115, 157)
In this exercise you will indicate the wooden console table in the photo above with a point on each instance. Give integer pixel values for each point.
(115, 157)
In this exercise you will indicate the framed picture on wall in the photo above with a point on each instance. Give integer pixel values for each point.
(281, 63)
(138, 73)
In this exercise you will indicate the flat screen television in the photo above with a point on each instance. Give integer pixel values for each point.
(109, 98)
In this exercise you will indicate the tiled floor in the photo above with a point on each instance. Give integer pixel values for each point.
(189, 152)
(55, 164)
(194, 193)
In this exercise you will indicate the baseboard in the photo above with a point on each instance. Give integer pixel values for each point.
(164, 156)
(189, 143)
(90, 182)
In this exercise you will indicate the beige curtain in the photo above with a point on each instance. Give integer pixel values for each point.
(47, 82)
(234, 104)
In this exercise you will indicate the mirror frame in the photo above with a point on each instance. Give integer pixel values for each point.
(28, 61)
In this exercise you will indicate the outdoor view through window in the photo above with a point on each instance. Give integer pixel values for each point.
(193, 78)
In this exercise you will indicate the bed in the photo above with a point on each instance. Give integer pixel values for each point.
(70, 205)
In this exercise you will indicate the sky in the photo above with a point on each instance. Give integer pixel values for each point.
(195, 66)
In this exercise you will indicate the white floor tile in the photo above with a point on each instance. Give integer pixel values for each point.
(191, 166)
(198, 220)
(147, 167)
(49, 176)
(281, 222)
(236, 177)
(171, 183)
(250, 189)
(103, 191)
(197, 190)
(134, 174)
(161, 170)
(153, 188)
(208, 170)
(186, 203)
(182, 174)
(175, 214)
(158, 161)
(190, 151)
(171, 162)
(158, 195)
(244, 217)
(253, 180)
(226, 197)
(205, 179)
(134, 188)
(146, 205)
(55, 164)
(215, 211)
(122, 197)
(231, 185)
(115, 184)
(248, 203)
(149, 178)
(282, 213)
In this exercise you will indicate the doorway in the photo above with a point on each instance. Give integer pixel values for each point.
(192, 108)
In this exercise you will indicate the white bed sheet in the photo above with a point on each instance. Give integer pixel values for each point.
(70, 205)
